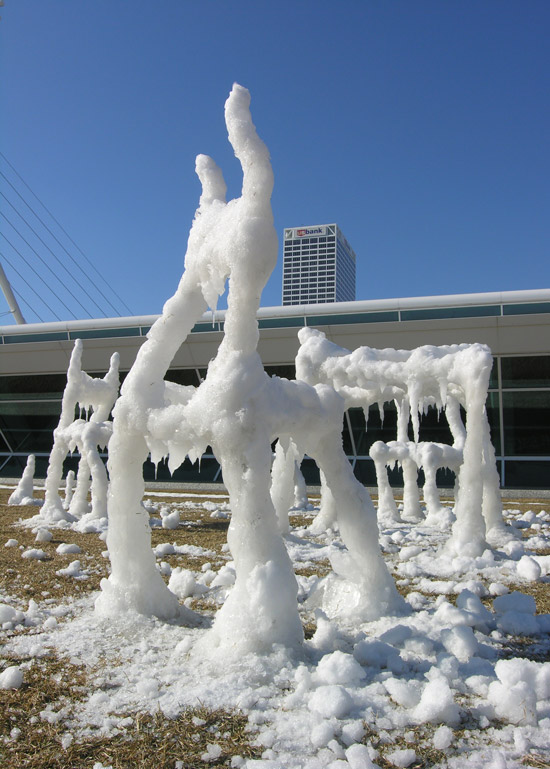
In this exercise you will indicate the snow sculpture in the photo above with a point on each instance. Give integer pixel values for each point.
(69, 489)
(239, 411)
(23, 494)
(429, 456)
(97, 395)
(288, 487)
(444, 376)
(282, 482)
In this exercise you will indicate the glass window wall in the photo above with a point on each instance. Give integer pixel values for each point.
(525, 371)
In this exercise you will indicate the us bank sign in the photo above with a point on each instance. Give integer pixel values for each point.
(302, 232)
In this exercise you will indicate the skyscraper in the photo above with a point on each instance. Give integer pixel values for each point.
(318, 265)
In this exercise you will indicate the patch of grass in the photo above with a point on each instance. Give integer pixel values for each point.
(524, 647)
(535, 761)
(208, 534)
(540, 591)
(37, 579)
(310, 626)
(145, 741)
(418, 738)
(300, 520)
(319, 569)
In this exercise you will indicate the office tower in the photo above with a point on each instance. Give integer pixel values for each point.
(318, 265)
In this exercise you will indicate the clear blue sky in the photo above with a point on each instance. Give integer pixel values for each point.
(421, 127)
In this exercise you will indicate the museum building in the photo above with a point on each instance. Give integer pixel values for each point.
(515, 325)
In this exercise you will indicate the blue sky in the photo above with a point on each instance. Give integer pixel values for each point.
(420, 127)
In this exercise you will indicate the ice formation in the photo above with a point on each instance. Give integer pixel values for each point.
(239, 411)
(23, 494)
(90, 395)
(69, 489)
(445, 377)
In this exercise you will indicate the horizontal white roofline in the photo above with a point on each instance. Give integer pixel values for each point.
(297, 310)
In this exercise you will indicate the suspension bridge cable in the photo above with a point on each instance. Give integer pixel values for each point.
(56, 258)
(37, 274)
(35, 252)
(62, 246)
(69, 237)
(29, 285)
(35, 312)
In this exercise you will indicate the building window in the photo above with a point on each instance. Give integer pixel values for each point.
(525, 371)
(526, 423)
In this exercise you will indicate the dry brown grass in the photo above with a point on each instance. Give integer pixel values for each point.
(37, 579)
(147, 741)
(419, 738)
(320, 569)
(537, 762)
(154, 740)
(151, 740)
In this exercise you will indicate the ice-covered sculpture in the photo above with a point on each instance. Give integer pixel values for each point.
(239, 411)
(425, 455)
(23, 494)
(444, 376)
(288, 487)
(69, 489)
(88, 394)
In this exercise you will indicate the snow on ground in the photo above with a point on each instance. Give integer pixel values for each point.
(444, 677)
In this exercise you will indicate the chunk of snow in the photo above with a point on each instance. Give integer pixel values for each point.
(322, 734)
(497, 588)
(352, 731)
(396, 636)
(11, 678)
(34, 554)
(405, 693)
(515, 704)
(442, 738)
(402, 758)
(44, 535)
(514, 549)
(213, 752)
(518, 623)
(461, 642)
(219, 515)
(183, 584)
(225, 577)
(171, 520)
(436, 704)
(478, 616)
(67, 548)
(72, 570)
(326, 634)
(331, 701)
(527, 568)
(516, 601)
(378, 655)
(11, 543)
(358, 757)
(66, 740)
(165, 548)
(536, 674)
(339, 668)
(9, 614)
(409, 552)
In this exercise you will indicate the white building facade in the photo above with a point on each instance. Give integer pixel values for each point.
(318, 265)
